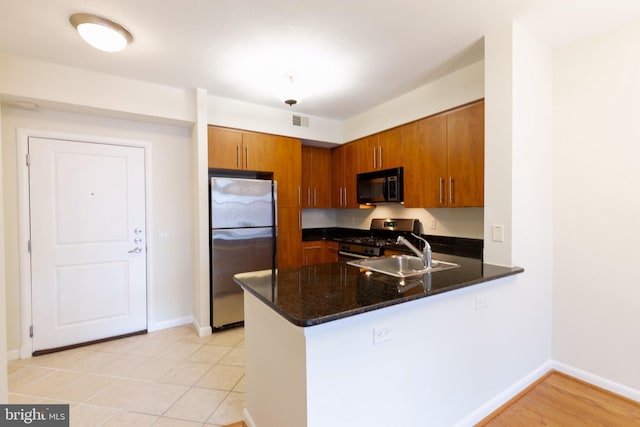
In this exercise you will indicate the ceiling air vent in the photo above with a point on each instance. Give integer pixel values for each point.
(300, 121)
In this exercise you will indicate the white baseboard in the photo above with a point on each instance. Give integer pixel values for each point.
(596, 380)
(502, 398)
(165, 324)
(247, 418)
(26, 351)
(13, 355)
(202, 331)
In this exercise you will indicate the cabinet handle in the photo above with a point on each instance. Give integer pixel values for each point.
(441, 188)
(246, 157)
(345, 197)
(374, 157)
(451, 190)
(315, 197)
(340, 194)
(380, 156)
(238, 156)
(309, 196)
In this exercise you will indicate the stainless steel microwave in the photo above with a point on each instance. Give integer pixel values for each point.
(386, 186)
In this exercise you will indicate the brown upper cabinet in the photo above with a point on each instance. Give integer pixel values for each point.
(380, 151)
(444, 159)
(239, 150)
(287, 172)
(344, 160)
(316, 177)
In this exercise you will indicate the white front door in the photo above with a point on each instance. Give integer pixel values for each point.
(88, 241)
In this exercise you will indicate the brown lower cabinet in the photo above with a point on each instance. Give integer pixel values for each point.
(312, 252)
(330, 251)
(319, 251)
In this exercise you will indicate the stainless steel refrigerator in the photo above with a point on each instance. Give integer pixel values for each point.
(243, 238)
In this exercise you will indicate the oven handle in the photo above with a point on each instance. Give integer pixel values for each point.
(349, 254)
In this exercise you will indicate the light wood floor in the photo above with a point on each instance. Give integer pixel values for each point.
(560, 400)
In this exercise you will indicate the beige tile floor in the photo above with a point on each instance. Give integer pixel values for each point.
(166, 378)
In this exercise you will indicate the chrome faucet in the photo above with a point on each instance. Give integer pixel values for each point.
(425, 255)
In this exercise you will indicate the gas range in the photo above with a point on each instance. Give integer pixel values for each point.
(384, 233)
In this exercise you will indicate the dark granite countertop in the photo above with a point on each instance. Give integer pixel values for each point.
(315, 294)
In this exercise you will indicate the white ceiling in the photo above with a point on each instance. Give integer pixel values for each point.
(350, 55)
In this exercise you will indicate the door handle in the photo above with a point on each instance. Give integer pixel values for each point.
(136, 250)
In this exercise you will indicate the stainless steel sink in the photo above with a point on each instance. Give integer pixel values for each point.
(401, 265)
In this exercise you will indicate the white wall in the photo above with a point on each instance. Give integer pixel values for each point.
(170, 262)
(445, 360)
(464, 222)
(596, 208)
(243, 115)
(76, 89)
(3, 303)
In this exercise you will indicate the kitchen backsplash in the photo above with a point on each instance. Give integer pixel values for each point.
(467, 222)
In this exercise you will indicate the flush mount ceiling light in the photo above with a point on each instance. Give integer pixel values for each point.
(101, 33)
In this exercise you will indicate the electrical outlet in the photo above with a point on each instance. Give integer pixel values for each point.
(433, 223)
(481, 302)
(381, 334)
(497, 233)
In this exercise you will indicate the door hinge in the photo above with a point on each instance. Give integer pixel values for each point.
(31, 331)
(28, 159)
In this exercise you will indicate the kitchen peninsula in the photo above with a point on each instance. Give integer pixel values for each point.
(330, 344)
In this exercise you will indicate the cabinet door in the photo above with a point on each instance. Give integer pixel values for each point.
(390, 153)
(337, 177)
(312, 252)
(257, 151)
(322, 177)
(367, 148)
(287, 171)
(350, 175)
(289, 241)
(225, 148)
(330, 251)
(316, 177)
(307, 177)
(465, 139)
(425, 162)
(343, 178)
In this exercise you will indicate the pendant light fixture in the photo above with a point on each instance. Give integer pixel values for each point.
(101, 33)
(291, 91)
